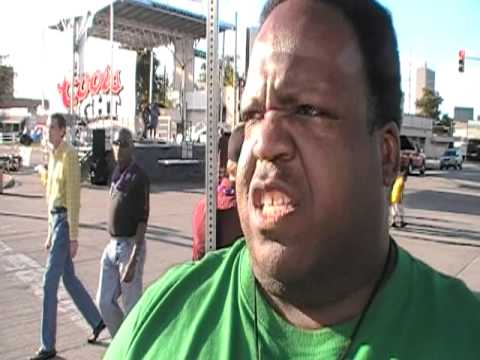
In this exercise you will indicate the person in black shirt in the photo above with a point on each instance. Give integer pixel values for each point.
(124, 257)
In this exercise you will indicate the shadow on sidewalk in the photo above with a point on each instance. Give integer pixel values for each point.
(442, 221)
(469, 187)
(168, 236)
(187, 188)
(440, 231)
(444, 202)
(24, 216)
(100, 226)
(469, 173)
(26, 196)
(154, 233)
(102, 343)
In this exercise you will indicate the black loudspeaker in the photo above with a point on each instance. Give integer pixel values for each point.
(99, 171)
(98, 143)
(98, 166)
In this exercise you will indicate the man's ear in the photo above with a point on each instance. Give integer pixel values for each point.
(389, 142)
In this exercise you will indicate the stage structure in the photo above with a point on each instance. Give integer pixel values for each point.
(134, 25)
(143, 24)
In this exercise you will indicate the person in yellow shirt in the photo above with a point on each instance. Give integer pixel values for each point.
(396, 200)
(62, 182)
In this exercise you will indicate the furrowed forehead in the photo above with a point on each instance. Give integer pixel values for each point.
(314, 31)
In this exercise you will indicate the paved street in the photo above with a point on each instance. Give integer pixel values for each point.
(444, 230)
(443, 212)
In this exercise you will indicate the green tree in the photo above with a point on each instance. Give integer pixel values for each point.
(429, 104)
(160, 82)
(6, 81)
(202, 77)
(446, 121)
(446, 124)
(228, 78)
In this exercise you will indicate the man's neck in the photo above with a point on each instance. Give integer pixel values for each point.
(57, 146)
(315, 311)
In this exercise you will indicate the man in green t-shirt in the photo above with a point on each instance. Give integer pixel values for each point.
(317, 276)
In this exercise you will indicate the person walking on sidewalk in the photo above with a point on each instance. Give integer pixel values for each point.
(62, 182)
(121, 270)
(396, 200)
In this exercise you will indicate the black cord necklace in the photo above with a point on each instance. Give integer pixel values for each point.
(359, 322)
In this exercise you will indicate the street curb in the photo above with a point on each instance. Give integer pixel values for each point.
(470, 243)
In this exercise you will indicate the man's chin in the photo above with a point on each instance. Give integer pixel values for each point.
(274, 258)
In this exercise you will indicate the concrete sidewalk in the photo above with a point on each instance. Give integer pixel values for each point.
(442, 231)
(23, 228)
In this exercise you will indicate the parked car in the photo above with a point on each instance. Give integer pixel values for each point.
(451, 158)
(412, 157)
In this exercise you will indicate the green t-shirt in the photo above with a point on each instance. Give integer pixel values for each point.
(205, 310)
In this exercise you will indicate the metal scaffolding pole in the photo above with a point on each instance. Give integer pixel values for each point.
(211, 170)
(235, 79)
(221, 88)
(111, 70)
(74, 49)
(150, 90)
(72, 84)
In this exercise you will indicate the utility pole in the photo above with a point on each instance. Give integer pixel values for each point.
(111, 70)
(211, 171)
(235, 79)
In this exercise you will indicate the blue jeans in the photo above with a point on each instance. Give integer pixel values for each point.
(59, 264)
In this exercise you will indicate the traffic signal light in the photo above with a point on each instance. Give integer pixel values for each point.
(461, 61)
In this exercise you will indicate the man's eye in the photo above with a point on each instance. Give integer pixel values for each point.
(308, 110)
(312, 111)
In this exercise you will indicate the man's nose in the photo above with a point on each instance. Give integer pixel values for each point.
(272, 139)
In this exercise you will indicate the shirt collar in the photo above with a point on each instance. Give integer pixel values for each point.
(59, 150)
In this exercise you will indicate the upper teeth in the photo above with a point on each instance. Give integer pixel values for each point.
(274, 198)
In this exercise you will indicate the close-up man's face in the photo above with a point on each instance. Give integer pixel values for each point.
(309, 184)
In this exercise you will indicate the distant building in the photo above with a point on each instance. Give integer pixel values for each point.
(467, 130)
(463, 114)
(419, 131)
(425, 80)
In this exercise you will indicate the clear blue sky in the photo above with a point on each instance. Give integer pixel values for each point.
(436, 30)
(433, 32)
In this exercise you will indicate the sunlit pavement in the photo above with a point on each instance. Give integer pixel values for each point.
(443, 215)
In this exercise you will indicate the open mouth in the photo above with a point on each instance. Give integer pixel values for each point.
(272, 205)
